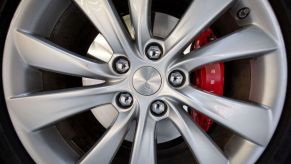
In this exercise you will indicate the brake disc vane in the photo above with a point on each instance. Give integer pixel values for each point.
(209, 78)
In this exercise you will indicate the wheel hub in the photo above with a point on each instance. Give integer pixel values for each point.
(166, 131)
(147, 81)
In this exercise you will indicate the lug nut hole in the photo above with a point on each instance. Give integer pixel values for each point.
(121, 65)
(154, 51)
(124, 100)
(177, 78)
(158, 108)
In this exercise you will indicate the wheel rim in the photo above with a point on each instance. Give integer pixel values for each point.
(254, 124)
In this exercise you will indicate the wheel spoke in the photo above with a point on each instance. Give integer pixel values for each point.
(140, 15)
(199, 15)
(104, 150)
(144, 147)
(39, 110)
(249, 42)
(200, 144)
(251, 121)
(106, 19)
(48, 56)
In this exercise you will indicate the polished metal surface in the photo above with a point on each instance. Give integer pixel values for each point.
(121, 65)
(147, 81)
(176, 78)
(34, 112)
(163, 25)
(158, 108)
(125, 100)
(154, 52)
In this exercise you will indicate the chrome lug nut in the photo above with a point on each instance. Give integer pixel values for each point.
(121, 65)
(154, 51)
(177, 78)
(124, 100)
(158, 108)
(243, 13)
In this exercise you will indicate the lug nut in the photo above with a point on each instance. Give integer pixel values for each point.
(158, 108)
(121, 65)
(154, 51)
(177, 78)
(124, 100)
(243, 13)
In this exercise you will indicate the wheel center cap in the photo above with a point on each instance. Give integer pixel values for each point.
(147, 81)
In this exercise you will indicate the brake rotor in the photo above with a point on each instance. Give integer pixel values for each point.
(209, 78)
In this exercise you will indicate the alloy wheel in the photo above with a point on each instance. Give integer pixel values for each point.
(146, 79)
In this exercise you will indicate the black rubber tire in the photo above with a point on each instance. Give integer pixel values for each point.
(11, 149)
(278, 151)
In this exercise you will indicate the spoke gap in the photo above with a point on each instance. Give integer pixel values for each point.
(123, 154)
(81, 131)
(178, 148)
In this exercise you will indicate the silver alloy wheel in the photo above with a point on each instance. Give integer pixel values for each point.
(33, 114)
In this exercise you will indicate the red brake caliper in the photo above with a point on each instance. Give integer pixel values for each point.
(209, 78)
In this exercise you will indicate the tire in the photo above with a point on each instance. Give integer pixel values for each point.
(12, 150)
(278, 150)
